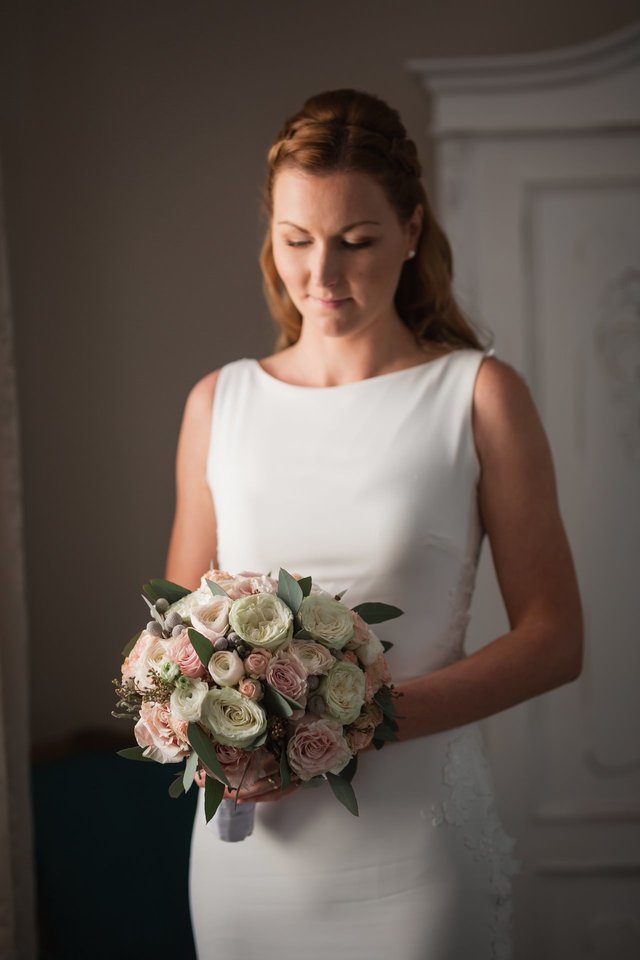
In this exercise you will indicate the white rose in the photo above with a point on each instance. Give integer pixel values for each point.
(233, 719)
(315, 658)
(186, 604)
(327, 620)
(369, 652)
(212, 619)
(226, 668)
(186, 699)
(263, 620)
(343, 691)
(153, 656)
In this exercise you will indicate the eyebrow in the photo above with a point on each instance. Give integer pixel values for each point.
(349, 226)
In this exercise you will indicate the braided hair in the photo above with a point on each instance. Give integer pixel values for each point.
(350, 131)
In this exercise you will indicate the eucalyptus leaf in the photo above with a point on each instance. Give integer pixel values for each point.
(129, 647)
(176, 787)
(292, 703)
(305, 584)
(190, 768)
(134, 753)
(385, 702)
(213, 794)
(216, 589)
(377, 612)
(276, 703)
(302, 635)
(349, 772)
(258, 742)
(314, 782)
(290, 591)
(378, 744)
(202, 646)
(205, 750)
(384, 732)
(340, 595)
(285, 773)
(386, 645)
(343, 791)
(172, 592)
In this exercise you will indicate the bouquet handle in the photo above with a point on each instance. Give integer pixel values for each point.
(233, 821)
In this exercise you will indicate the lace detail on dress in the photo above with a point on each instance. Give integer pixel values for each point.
(469, 804)
(452, 643)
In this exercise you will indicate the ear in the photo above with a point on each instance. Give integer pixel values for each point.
(414, 225)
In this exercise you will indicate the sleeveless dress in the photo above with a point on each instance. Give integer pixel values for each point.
(368, 486)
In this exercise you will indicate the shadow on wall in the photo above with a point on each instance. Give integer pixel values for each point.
(112, 854)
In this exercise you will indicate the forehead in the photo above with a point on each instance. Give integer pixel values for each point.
(333, 198)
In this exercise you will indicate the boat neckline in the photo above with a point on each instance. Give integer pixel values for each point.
(354, 383)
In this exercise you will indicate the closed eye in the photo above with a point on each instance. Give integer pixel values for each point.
(345, 243)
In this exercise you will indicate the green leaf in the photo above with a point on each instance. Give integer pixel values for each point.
(134, 753)
(285, 773)
(302, 635)
(384, 732)
(377, 612)
(213, 794)
(340, 595)
(378, 744)
(258, 742)
(385, 701)
(305, 584)
(205, 750)
(386, 645)
(276, 703)
(216, 589)
(349, 772)
(202, 646)
(290, 591)
(190, 768)
(314, 782)
(343, 791)
(129, 647)
(172, 592)
(176, 788)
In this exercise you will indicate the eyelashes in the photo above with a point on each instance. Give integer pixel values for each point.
(344, 243)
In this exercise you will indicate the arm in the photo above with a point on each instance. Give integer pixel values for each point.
(519, 510)
(193, 537)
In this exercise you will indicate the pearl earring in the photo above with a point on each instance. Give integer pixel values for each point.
(411, 254)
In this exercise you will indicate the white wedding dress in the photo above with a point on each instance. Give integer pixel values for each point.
(369, 486)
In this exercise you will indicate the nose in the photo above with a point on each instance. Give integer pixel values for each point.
(325, 267)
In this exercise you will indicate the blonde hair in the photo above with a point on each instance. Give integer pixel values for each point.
(350, 131)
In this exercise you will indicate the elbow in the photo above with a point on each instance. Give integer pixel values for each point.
(569, 646)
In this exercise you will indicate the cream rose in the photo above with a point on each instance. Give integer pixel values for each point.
(263, 621)
(316, 747)
(315, 658)
(327, 620)
(287, 675)
(226, 668)
(371, 650)
(233, 719)
(187, 604)
(149, 653)
(343, 690)
(163, 738)
(186, 700)
(212, 619)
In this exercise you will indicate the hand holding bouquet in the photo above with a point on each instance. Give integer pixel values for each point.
(249, 675)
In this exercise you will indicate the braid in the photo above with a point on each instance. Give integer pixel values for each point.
(349, 131)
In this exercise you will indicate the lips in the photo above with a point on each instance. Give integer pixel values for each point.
(332, 302)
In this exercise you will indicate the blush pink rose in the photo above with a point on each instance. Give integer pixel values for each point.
(212, 619)
(136, 654)
(287, 675)
(256, 664)
(317, 746)
(234, 762)
(376, 675)
(250, 688)
(181, 650)
(360, 732)
(248, 582)
(350, 656)
(164, 739)
(361, 631)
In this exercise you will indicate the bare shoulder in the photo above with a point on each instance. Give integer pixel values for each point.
(202, 393)
(505, 417)
(196, 421)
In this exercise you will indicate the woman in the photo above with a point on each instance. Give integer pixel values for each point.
(373, 451)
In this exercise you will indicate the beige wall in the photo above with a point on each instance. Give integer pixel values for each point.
(133, 137)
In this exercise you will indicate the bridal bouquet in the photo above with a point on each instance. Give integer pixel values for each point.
(249, 676)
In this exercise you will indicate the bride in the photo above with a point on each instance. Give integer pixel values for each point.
(374, 450)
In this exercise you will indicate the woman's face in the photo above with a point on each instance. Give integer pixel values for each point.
(339, 248)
